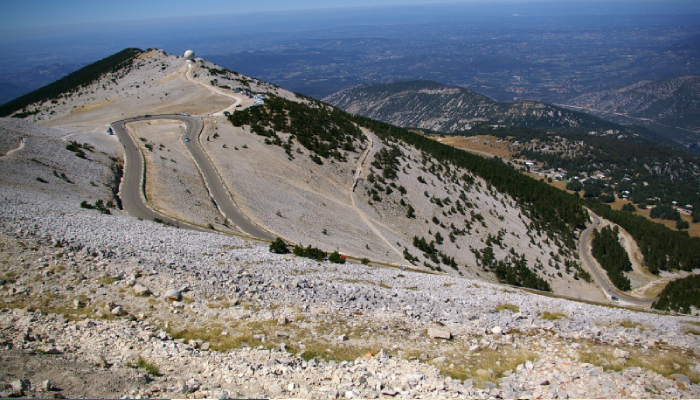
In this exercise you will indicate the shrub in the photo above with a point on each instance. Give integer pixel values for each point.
(278, 246)
(410, 212)
(147, 366)
(336, 258)
(309, 252)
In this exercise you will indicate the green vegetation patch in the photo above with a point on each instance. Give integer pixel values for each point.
(680, 295)
(323, 130)
(606, 248)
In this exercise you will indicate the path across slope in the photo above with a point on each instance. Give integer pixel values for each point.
(131, 190)
(607, 288)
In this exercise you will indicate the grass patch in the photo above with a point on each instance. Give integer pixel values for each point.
(686, 329)
(549, 316)
(220, 305)
(662, 361)
(236, 338)
(108, 280)
(498, 361)
(51, 303)
(512, 307)
(147, 366)
(630, 324)
(384, 286)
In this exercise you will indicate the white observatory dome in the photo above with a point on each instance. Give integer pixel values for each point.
(189, 55)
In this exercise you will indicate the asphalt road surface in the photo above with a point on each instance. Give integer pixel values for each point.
(131, 191)
(607, 288)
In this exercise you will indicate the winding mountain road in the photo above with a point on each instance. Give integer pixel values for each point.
(605, 285)
(132, 187)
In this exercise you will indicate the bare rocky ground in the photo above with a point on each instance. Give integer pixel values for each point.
(173, 181)
(103, 305)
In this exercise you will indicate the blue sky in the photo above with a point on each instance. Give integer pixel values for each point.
(35, 13)
(44, 13)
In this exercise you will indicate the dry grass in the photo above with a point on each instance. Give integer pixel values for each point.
(552, 316)
(107, 280)
(692, 330)
(223, 304)
(337, 352)
(50, 303)
(238, 335)
(630, 324)
(664, 361)
(502, 307)
(498, 361)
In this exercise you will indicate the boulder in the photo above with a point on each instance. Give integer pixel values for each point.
(141, 290)
(619, 353)
(118, 311)
(436, 333)
(173, 294)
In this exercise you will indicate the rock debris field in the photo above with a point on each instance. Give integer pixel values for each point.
(104, 305)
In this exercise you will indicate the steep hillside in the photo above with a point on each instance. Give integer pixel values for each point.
(102, 305)
(449, 109)
(674, 102)
(316, 176)
(97, 303)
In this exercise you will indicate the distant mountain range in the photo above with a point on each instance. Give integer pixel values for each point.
(15, 85)
(434, 106)
(673, 102)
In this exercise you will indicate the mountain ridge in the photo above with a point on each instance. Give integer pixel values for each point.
(673, 101)
(449, 109)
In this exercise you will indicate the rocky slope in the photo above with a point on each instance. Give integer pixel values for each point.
(341, 204)
(103, 305)
(673, 102)
(449, 109)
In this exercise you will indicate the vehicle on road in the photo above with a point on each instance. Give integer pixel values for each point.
(185, 114)
(226, 113)
(238, 106)
(147, 116)
(187, 139)
(614, 298)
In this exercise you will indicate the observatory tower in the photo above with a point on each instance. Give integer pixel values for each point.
(189, 56)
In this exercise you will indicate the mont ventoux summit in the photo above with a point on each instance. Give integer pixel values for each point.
(171, 228)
